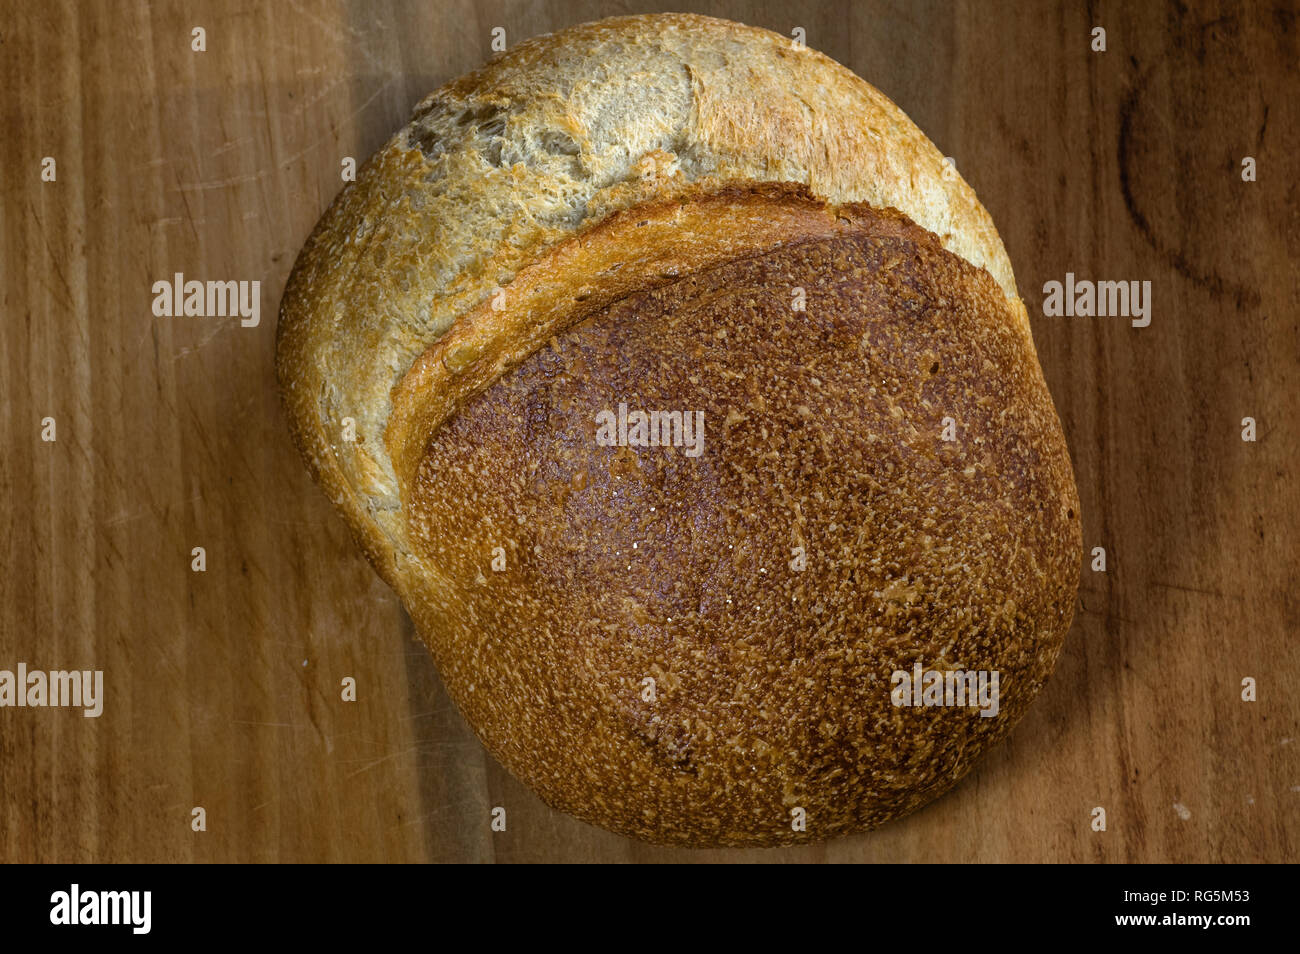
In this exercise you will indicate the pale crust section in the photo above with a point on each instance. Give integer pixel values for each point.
(501, 165)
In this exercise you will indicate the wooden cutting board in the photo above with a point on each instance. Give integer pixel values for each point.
(222, 688)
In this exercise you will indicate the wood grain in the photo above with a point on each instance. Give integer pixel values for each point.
(223, 686)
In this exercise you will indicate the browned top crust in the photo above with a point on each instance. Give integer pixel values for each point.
(823, 430)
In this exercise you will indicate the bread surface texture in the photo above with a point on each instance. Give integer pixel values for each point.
(689, 644)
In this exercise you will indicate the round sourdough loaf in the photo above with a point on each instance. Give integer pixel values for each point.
(696, 640)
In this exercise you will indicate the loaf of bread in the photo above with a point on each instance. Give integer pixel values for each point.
(681, 390)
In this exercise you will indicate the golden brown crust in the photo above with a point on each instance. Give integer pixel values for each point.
(823, 430)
